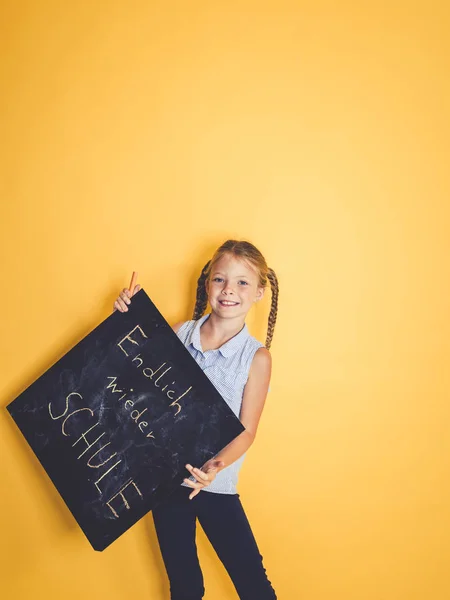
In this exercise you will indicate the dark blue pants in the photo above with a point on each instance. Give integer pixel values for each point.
(225, 523)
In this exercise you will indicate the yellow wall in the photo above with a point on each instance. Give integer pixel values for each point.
(139, 136)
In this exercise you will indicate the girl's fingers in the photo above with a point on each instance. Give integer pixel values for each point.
(118, 305)
(122, 304)
(193, 484)
(202, 479)
(202, 474)
(197, 473)
(123, 300)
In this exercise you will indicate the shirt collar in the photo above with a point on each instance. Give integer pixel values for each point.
(226, 349)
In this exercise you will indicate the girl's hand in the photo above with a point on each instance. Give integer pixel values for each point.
(124, 299)
(204, 476)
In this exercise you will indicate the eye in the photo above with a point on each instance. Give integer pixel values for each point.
(216, 278)
(242, 281)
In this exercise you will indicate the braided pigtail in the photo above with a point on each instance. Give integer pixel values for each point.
(273, 307)
(201, 297)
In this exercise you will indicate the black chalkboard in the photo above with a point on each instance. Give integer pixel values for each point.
(116, 419)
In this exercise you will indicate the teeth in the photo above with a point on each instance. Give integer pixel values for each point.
(228, 303)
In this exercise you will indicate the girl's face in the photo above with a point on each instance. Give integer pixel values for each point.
(233, 287)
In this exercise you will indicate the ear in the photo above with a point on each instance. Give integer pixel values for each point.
(260, 294)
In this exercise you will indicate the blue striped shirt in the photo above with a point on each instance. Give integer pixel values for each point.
(227, 368)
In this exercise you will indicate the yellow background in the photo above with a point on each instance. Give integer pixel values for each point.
(139, 136)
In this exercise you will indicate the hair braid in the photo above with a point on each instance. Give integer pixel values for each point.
(273, 307)
(201, 297)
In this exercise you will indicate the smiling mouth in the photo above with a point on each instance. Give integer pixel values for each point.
(224, 303)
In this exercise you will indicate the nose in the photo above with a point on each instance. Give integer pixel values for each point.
(227, 289)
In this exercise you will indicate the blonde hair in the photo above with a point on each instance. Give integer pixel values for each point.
(248, 252)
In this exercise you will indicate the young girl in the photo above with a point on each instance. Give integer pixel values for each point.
(240, 367)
